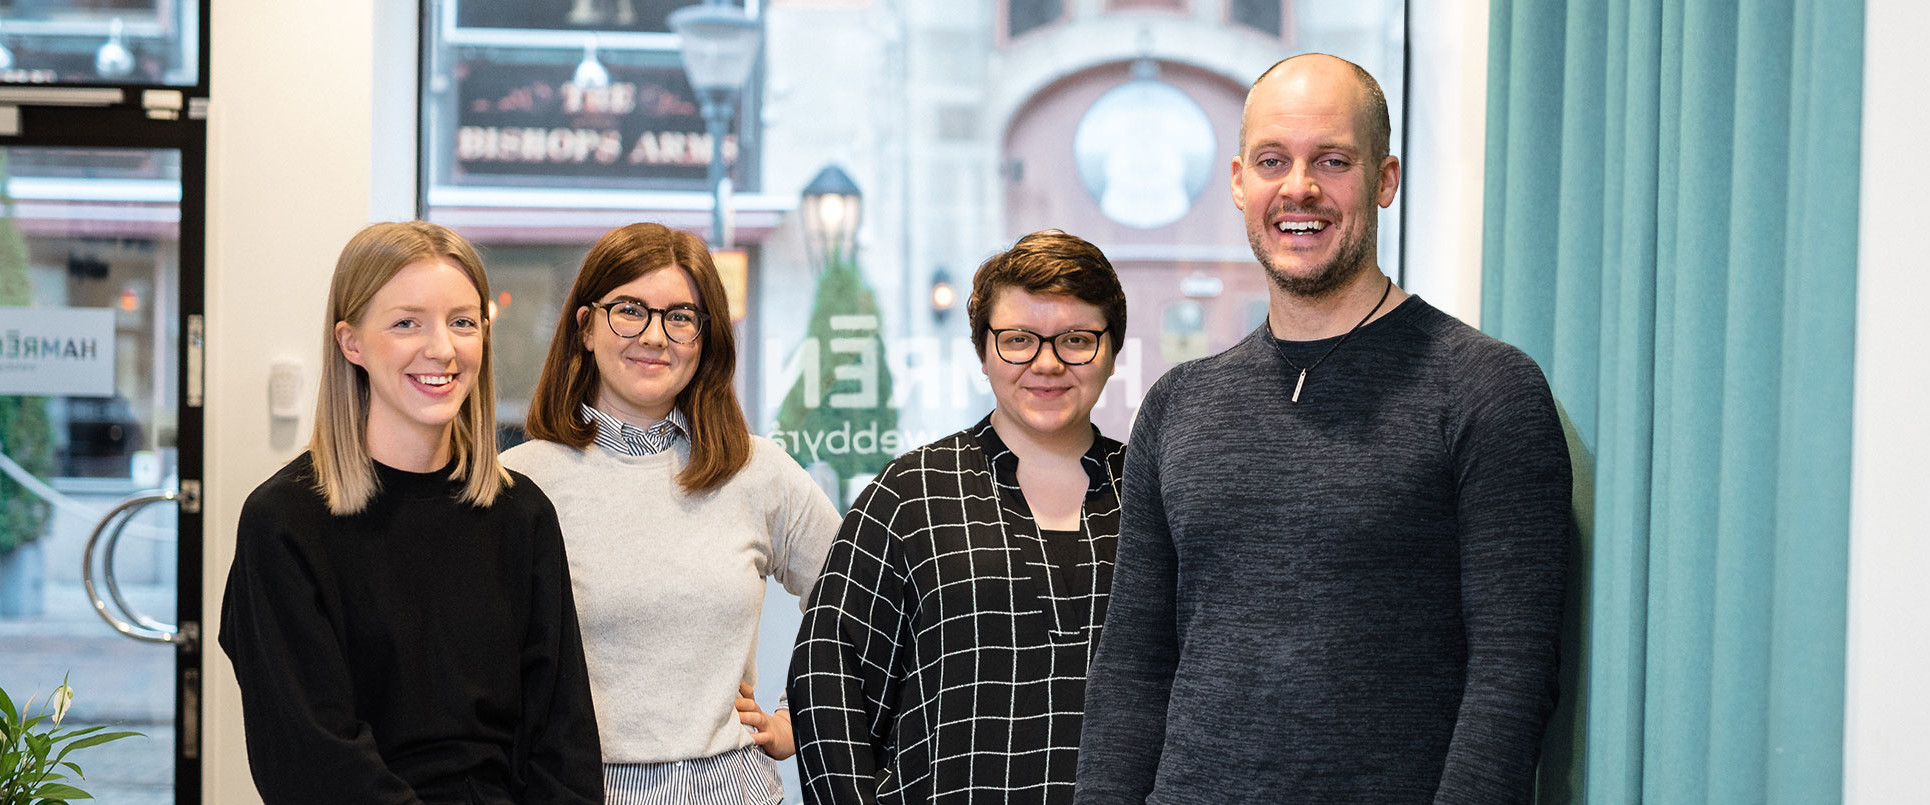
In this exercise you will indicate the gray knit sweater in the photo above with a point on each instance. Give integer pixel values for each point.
(669, 586)
(1351, 599)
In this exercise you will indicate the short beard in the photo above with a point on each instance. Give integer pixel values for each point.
(1329, 277)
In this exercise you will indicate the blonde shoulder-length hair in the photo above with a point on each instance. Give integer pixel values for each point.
(344, 472)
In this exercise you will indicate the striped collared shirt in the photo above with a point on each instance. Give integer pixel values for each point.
(743, 776)
(618, 436)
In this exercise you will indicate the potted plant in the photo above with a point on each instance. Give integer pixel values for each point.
(26, 437)
(34, 764)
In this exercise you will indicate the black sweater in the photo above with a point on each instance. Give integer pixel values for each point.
(1351, 599)
(422, 650)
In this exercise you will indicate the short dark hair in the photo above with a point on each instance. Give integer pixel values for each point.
(720, 440)
(1379, 127)
(1048, 261)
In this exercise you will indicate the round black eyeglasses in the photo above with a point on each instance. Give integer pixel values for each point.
(629, 319)
(1072, 347)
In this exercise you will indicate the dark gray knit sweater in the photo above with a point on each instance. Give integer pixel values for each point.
(1351, 599)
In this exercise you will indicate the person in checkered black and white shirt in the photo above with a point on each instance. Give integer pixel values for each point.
(943, 655)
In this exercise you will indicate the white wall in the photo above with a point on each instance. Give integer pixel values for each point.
(290, 167)
(1887, 708)
(1446, 144)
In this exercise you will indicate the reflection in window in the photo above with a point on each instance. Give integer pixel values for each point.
(94, 232)
(567, 94)
(1145, 150)
(1260, 15)
(920, 111)
(1256, 313)
(1024, 16)
(600, 15)
(1182, 331)
(100, 42)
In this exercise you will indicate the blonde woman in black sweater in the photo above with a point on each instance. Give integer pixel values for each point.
(399, 611)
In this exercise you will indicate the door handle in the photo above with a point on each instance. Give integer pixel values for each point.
(129, 621)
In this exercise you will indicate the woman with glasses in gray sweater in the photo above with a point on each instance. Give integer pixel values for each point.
(674, 516)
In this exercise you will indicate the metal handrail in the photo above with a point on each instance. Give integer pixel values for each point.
(141, 627)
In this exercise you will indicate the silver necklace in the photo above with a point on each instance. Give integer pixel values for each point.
(1302, 382)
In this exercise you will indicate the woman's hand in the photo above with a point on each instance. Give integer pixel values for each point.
(773, 729)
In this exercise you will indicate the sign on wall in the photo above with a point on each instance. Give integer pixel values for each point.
(532, 123)
(58, 351)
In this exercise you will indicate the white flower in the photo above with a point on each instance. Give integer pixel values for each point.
(61, 698)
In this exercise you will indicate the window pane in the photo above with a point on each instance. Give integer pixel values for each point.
(90, 284)
(1026, 15)
(571, 15)
(1260, 15)
(561, 106)
(100, 42)
(947, 159)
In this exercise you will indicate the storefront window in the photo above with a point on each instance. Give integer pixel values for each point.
(546, 124)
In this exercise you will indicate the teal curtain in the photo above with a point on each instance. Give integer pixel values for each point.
(1670, 230)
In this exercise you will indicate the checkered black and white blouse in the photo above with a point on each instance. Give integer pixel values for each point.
(943, 656)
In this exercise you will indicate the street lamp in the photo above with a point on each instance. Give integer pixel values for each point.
(590, 73)
(831, 206)
(944, 296)
(719, 48)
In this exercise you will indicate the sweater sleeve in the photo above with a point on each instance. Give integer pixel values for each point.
(850, 653)
(1131, 680)
(1515, 519)
(808, 524)
(305, 744)
(560, 758)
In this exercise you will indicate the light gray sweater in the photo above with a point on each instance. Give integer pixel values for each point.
(669, 586)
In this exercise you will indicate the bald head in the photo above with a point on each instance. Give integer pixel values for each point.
(1336, 75)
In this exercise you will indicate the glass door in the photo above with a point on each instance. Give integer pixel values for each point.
(103, 150)
(95, 494)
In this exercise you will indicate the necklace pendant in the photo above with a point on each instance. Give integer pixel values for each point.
(1298, 383)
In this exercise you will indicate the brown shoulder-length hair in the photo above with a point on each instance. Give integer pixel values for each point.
(720, 439)
(344, 472)
(1049, 261)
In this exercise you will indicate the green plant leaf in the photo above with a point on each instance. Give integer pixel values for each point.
(92, 740)
(6, 706)
(62, 735)
(37, 747)
(76, 767)
(62, 792)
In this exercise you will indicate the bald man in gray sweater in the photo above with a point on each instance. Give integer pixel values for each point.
(1343, 542)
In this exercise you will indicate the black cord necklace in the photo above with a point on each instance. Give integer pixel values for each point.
(1330, 350)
